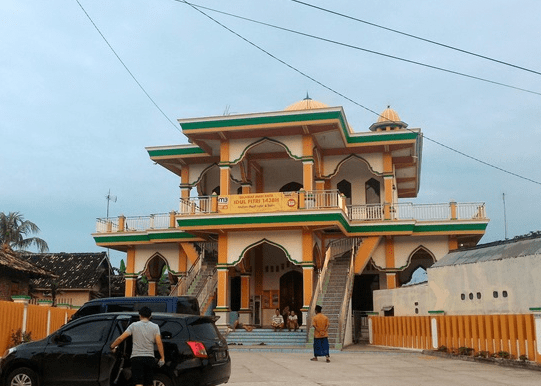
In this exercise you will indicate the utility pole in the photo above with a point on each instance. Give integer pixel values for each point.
(109, 198)
(504, 216)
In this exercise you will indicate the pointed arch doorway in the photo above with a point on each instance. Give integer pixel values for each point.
(291, 287)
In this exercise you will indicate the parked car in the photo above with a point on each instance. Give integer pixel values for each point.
(79, 353)
(173, 304)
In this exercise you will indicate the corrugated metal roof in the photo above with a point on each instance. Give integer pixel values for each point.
(517, 247)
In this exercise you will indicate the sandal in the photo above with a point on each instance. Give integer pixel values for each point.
(328, 360)
(313, 359)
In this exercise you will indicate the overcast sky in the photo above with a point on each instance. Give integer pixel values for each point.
(74, 124)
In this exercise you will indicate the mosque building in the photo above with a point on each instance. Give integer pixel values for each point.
(288, 209)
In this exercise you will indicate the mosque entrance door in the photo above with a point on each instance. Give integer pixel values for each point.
(291, 293)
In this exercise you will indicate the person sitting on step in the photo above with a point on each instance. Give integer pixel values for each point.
(292, 321)
(277, 320)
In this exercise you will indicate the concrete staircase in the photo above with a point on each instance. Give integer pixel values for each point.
(333, 295)
(207, 270)
(266, 337)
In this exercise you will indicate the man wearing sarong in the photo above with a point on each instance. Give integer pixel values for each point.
(321, 336)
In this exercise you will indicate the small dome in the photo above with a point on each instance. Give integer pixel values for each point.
(388, 115)
(388, 120)
(306, 104)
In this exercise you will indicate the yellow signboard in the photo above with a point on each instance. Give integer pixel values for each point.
(258, 202)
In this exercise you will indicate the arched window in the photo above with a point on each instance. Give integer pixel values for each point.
(344, 187)
(291, 187)
(372, 190)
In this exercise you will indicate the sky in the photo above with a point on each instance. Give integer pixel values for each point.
(74, 124)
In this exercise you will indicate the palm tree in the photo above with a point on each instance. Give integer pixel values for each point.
(14, 230)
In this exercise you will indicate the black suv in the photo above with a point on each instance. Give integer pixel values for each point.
(79, 353)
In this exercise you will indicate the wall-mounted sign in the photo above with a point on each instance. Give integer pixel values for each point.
(258, 202)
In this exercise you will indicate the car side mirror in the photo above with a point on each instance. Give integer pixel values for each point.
(61, 338)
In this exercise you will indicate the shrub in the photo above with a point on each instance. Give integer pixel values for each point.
(523, 358)
(18, 337)
(504, 354)
(465, 351)
(443, 349)
(482, 354)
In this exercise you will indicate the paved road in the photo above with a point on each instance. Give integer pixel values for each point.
(370, 368)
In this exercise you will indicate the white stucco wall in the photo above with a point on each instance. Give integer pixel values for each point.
(238, 146)
(405, 300)
(239, 241)
(144, 252)
(519, 277)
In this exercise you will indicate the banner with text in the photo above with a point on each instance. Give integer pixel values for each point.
(258, 202)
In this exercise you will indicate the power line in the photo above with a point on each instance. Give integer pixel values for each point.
(346, 97)
(365, 49)
(418, 37)
(126, 67)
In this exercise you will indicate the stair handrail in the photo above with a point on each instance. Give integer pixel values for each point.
(208, 289)
(344, 309)
(333, 249)
(186, 280)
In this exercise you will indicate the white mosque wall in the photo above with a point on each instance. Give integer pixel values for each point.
(144, 252)
(290, 240)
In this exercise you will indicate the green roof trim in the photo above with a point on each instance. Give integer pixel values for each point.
(122, 237)
(217, 123)
(447, 227)
(334, 217)
(260, 120)
(175, 151)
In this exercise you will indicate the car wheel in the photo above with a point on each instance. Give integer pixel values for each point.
(22, 376)
(162, 380)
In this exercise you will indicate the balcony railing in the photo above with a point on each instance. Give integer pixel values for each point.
(293, 201)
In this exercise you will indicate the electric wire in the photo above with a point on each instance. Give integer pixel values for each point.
(365, 49)
(418, 37)
(349, 99)
(126, 67)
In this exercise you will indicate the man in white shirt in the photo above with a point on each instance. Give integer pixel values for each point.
(145, 334)
(277, 320)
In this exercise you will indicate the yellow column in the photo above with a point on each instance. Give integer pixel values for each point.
(152, 288)
(307, 175)
(388, 180)
(245, 292)
(130, 273)
(308, 286)
(225, 170)
(121, 223)
(392, 280)
(320, 184)
(453, 243)
(307, 270)
(308, 162)
(222, 306)
(453, 206)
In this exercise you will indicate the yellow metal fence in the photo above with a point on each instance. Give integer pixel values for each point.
(514, 334)
(39, 321)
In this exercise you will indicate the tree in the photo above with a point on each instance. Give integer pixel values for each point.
(14, 230)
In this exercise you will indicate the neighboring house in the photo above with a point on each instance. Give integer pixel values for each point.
(80, 277)
(16, 273)
(495, 278)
